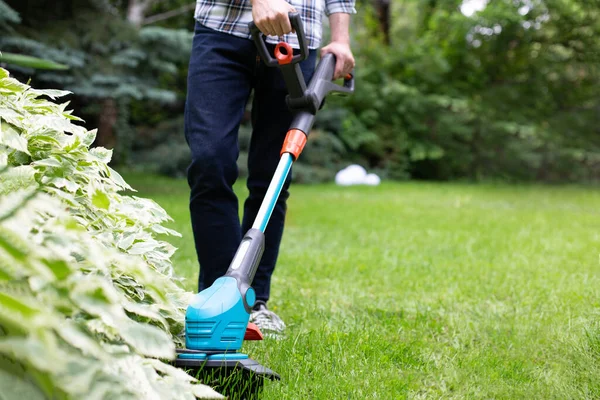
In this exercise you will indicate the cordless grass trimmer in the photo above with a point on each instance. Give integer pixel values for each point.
(217, 319)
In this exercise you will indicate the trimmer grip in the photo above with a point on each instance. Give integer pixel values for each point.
(298, 26)
(322, 80)
(257, 36)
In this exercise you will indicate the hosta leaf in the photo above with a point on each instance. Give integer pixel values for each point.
(56, 123)
(200, 391)
(52, 93)
(170, 370)
(88, 137)
(161, 229)
(100, 199)
(21, 177)
(12, 245)
(11, 116)
(60, 268)
(96, 296)
(205, 392)
(78, 339)
(66, 197)
(48, 162)
(126, 241)
(118, 179)
(144, 310)
(143, 247)
(101, 154)
(16, 314)
(80, 375)
(10, 137)
(84, 317)
(148, 340)
(14, 387)
(64, 183)
(11, 85)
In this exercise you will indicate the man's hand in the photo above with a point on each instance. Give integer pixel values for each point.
(271, 16)
(344, 60)
(340, 45)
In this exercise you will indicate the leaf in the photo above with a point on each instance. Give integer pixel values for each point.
(10, 243)
(126, 241)
(81, 315)
(205, 392)
(143, 247)
(10, 137)
(97, 297)
(101, 154)
(60, 268)
(55, 122)
(63, 183)
(52, 93)
(11, 116)
(16, 178)
(118, 179)
(161, 229)
(88, 138)
(80, 340)
(14, 387)
(100, 199)
(17, 309)
(11, 85)
(145, 310)
(48, 162)
(147, 340)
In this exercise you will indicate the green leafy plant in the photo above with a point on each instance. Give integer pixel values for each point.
(89, 305)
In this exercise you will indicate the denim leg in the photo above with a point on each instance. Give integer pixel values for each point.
(271, 120)
(221, 72)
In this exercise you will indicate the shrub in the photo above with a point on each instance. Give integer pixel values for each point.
(89, 305)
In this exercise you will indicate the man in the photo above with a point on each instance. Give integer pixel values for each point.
(224, 69)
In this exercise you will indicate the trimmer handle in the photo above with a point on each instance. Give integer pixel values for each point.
(322, 79)
(286, 56)
(321, 84)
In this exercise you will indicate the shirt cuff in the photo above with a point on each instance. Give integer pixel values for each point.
(337, 6)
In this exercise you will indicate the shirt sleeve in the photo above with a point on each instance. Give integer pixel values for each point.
(339, 6)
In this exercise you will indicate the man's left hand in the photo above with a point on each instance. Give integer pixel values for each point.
(343, 55)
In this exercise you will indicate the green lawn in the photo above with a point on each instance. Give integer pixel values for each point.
(420, 290)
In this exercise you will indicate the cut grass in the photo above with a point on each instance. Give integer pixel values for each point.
(420, 290)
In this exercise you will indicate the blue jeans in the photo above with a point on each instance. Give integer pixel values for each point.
(223, 71)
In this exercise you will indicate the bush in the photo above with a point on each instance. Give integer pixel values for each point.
(89, 306)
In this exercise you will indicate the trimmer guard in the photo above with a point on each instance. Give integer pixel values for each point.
(234, 375)
(209, 362)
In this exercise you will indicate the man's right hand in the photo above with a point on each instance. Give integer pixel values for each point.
(271, 16)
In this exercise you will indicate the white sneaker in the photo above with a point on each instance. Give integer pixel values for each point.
(267, 321)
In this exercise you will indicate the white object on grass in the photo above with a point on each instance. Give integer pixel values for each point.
(372, 180)
(356, 175)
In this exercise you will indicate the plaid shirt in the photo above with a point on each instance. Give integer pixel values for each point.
(233, 16)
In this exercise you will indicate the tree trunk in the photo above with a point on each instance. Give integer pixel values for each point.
(383, 14)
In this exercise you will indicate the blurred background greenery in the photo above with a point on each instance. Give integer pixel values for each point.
(446, 89)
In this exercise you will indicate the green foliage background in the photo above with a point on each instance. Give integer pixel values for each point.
(508, 93)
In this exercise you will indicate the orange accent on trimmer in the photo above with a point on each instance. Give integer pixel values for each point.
(348, 77)
(294, 143)
(252, 332)
(286, 56)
